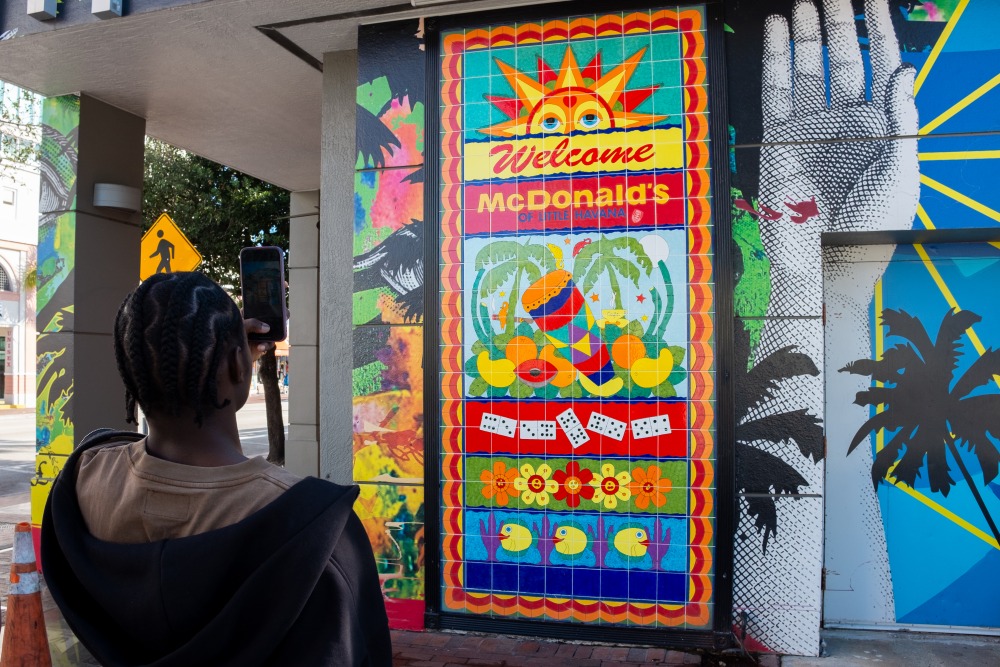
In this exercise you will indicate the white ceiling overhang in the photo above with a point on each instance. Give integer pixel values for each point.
(210, 77)
(236, 81)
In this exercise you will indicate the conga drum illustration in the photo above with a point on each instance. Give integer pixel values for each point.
(560, 310)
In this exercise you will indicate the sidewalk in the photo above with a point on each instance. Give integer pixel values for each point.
(444, 649)
(842, 648)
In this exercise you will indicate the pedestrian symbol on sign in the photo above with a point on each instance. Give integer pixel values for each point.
(165, 249)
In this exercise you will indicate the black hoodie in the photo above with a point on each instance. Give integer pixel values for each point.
(293, 584)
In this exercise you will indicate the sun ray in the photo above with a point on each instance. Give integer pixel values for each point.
(527, 89)
(563, 102)
(939, 46)
(926, 222)
(943, 511)
(942, 285)
(960, 198)
(611, 86)
(569, 72)
(961, 104)
(958, 155)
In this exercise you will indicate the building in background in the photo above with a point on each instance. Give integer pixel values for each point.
(19, 181)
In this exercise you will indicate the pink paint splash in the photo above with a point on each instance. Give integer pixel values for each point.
(400, 120)
(397, 201)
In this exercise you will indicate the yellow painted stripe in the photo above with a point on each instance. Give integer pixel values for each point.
(960, 198)
(936, 276)
(932, 156)
(945, 291)
(939, 46)
(879, 350)
(943, 511)
(961, 104)
(926, 221)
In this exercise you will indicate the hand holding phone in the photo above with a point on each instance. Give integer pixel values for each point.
(262, 279)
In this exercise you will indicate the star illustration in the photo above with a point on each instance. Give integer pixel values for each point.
(641, 298)
(645, 317)
(566, 241)
(594, 297)
(503, 294)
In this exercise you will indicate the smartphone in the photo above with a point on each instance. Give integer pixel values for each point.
(262, 279)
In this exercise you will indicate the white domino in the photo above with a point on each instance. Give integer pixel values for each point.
(606, 426)
(537, 430)
(660, 424)
(573, 428)
(650, 426)
(498, 425)
(568, 420)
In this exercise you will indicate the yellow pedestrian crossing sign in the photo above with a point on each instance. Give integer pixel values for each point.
(165, 249)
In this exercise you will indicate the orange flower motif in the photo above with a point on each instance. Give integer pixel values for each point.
(647, 486)
(499, 482)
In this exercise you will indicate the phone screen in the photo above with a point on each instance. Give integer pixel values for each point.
(263, 282)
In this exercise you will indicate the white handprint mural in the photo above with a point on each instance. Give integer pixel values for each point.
(844, 158)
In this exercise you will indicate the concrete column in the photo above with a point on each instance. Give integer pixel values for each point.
(336, 280)
(88, 260)
(302, 444)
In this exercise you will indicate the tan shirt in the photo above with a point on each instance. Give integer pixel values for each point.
(128, 496)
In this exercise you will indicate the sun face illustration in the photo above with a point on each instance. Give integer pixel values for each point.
(571, 99)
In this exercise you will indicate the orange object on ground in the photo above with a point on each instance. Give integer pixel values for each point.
(25, 642)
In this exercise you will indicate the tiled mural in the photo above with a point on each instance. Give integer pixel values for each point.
(387, 312)
(577, 350)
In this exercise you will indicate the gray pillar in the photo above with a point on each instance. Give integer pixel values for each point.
(88, 260)
(336, 281)
(302, 445)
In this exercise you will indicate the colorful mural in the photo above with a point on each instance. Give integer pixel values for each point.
(388, 185)
(826, 102)
(56, 261)
(388, 373)
(932, 432)
(577, 349)
(826, 105)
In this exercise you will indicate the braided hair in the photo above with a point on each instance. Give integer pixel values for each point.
(171, 333)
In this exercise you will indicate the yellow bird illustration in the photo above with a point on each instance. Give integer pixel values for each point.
(632, 542)
(515, 537)
(569, 540)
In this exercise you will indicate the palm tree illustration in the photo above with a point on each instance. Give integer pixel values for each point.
(611, 256)
(760, 475)
(928, 412)
(396, 263)
(503, 259)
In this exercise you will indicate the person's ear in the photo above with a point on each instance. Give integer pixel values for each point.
(238, 366)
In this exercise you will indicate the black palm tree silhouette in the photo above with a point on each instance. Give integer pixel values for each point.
(397, 263)
(760, 474)
(927, 410)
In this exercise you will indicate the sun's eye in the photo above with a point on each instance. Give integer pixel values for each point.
(590, 120)
(550, 123)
